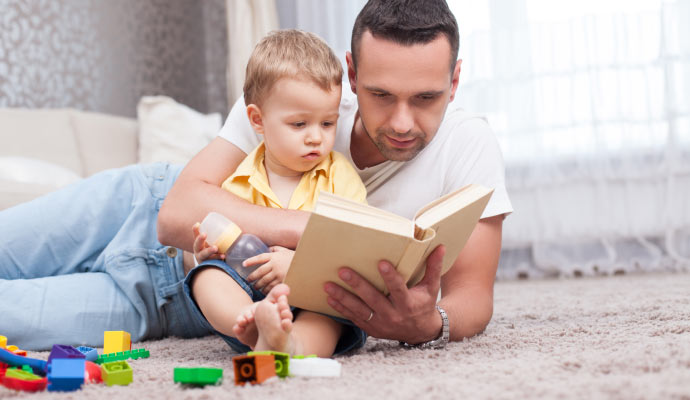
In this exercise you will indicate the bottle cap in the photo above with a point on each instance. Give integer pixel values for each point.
(220, 231)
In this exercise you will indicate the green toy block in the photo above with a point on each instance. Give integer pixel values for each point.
(123, 355)
(198, 376)
(21, 374)
(282, 361)
(116, 373)
(302, 356)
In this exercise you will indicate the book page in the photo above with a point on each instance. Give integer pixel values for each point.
(434, 212)
(346, 210)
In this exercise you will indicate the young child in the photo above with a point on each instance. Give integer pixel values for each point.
(292, 91)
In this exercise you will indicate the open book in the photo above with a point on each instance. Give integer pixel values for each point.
(341, 233)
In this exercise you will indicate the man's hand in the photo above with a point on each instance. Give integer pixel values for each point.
(273, 270)
(407, 314)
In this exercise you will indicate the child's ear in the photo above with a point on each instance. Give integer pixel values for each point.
(254, 114)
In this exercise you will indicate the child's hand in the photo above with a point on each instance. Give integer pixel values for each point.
(202, 251)
(273, 271)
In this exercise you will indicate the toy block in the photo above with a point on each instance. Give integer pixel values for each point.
(123, 355)
(116, 373)
(27, 385)
(89, 353)
(314, 366)
(21, 374)
(3, 342)
(16, 350)
(66, 374)
(198, 376)
(92, 373)
(253, 369)
(38, 366)
(64, 352)
(115, 341)
(282, 361)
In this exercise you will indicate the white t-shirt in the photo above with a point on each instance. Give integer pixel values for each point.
(464, 151)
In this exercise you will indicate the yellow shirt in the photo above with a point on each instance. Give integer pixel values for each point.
(334, 175)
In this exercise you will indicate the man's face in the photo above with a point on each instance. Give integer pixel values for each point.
(403, 92)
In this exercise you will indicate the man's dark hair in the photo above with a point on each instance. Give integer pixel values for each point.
(406, 22)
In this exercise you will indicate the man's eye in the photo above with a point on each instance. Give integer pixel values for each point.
(380, 95)
(427, 97)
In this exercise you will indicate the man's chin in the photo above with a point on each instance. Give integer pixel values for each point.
(396, 154)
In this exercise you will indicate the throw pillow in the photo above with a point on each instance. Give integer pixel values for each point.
(172, 132)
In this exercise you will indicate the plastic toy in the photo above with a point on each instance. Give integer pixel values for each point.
(66, 374)
(314, 366)
(114, 341)
(116, 373)
(253, 369)
(63, 351)
(92, 373)
(3, 342)
(16, 350)
(39, 367)
(19, 379)
(198, 376)
(123, 355)
(282, 361)
(89, 353)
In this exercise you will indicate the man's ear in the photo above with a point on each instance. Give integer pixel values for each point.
(254, 114)
(351, 74)
(455, 78)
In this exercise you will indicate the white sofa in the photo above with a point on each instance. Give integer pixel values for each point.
(44, 149)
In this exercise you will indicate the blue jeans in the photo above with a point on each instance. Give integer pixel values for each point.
(86, 259)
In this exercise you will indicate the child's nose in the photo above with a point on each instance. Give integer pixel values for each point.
(314, 136)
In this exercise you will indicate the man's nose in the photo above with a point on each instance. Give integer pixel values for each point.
(402, 120)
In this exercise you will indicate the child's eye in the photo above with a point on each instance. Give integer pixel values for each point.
(299, 124)
(327, 124)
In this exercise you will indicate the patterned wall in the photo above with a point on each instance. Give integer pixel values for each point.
(102, 55)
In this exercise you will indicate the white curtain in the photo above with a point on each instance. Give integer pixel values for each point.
(590, 101)
(248, 22)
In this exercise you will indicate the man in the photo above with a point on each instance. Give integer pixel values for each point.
(409, 149)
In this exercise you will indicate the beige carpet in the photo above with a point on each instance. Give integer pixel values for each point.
(614, 337)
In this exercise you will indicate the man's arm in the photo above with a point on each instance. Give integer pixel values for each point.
(197, 192)
(409, 314)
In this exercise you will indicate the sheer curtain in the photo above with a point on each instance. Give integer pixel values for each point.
(590, 101)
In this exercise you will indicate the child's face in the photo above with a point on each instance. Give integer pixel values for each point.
(298, 124)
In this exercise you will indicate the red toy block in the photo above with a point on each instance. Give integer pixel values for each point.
(254, 369)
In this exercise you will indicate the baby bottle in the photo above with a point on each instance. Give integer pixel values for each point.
(230, 240)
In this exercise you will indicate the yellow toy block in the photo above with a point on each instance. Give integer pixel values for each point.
(115, 341)
(3, 342)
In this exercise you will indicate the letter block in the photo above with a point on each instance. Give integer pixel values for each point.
(115, 341)
(254, 369)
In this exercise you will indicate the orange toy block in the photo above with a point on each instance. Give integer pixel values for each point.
(115, 341)
(254, 369)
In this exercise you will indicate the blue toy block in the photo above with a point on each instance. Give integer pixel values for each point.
(66, 374)
(64, 351)
(90, 353)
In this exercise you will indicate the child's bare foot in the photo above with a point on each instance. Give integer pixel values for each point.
(273, 319)
(245, 327)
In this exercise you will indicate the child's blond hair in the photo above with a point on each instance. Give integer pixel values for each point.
(290, 53)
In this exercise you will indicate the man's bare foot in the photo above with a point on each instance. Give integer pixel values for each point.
(245, 329)
(273, 319)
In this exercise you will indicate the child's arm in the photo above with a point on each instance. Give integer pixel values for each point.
(202, 250)
(276, 264)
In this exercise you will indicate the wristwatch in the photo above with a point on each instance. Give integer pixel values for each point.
(441, 341)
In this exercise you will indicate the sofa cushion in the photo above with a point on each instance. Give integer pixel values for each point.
(41, 134)
(172, 132)
(105, 141)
